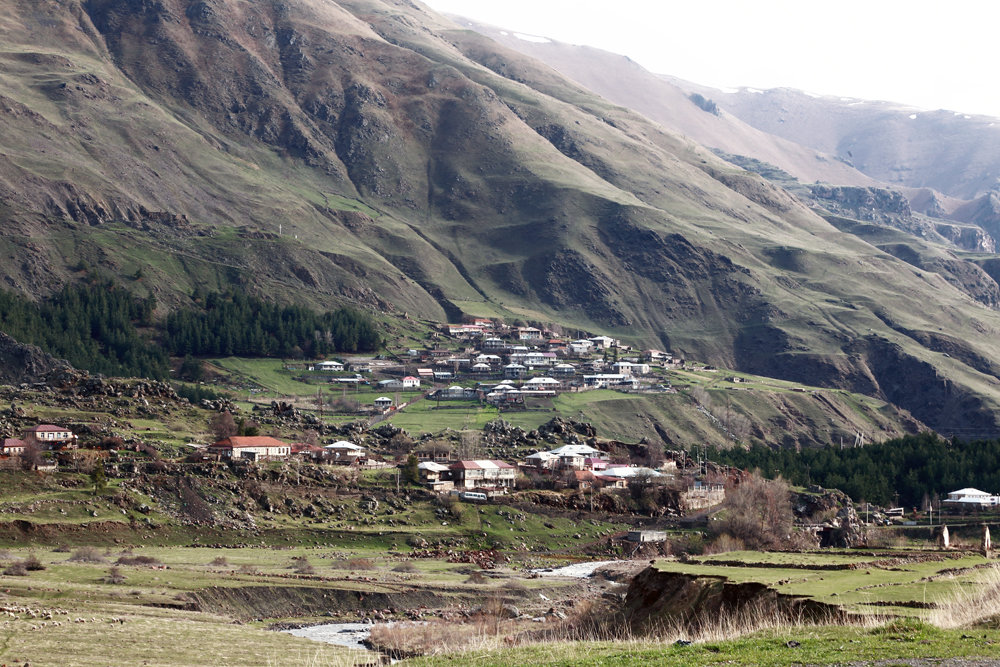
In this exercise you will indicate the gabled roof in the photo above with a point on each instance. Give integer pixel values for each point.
(344, 444)
(432, 466)
(48, 428)
(11, 443)
(580, 450)
(242, 441)
(968, 492)
(542, 381)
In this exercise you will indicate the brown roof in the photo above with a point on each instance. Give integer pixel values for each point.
(47, 428)
(241, 441)
(12, 442)
(465, 465)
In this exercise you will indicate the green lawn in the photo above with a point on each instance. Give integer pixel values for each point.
(911, 577)
(810, 645)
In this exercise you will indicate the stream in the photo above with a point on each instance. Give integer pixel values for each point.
(350, 635)
(577, 570)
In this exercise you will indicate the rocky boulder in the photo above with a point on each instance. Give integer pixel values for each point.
(21, 363)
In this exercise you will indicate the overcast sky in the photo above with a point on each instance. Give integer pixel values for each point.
(933, 55)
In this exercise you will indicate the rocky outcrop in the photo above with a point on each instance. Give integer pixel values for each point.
(879, 205)
(26, 363)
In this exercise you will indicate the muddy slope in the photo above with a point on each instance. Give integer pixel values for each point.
(249, 602)
(656, 599)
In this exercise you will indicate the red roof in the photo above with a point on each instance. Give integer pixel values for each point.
(241, 441)
(48, 428)
(12, 442)
(465, 465)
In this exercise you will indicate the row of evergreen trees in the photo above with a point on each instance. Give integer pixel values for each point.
(96, 327)
(237, 324)
(914, 467)
(91, 326)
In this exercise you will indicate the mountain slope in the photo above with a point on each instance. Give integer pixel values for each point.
(954, 153)
(373, 152)
(624, 82)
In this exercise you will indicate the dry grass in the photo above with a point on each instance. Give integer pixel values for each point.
(440, 637)
(971, 604)
(354, 564)
(87, 555)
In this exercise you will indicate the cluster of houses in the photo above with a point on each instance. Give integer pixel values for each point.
(267, 448)
(531, 363)
(499, 364)
(46, 437)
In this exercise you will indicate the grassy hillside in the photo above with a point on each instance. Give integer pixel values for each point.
(374, 153)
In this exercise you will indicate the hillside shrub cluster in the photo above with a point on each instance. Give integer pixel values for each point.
(915, 467)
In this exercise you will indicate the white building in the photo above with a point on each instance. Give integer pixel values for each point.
(972, 498)
(329, 366)
(343, 451)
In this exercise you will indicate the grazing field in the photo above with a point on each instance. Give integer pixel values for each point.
(904, 583)
(190, 605)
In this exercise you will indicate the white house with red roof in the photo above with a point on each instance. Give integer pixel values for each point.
(483, 474)
(49, 436)
(11, 447)
(252, 448)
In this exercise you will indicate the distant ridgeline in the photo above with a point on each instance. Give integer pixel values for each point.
(94, 327)
(915, 466)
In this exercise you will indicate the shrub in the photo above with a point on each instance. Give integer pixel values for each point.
(355, 564)
(32, 563)
(62, 549)
(405, 567)
(301, 565)
(248, 569)
(87, 555)
(724, 543)
(137, 560)
(17, 569)
(219, 561)
(114, 576)
(476, 578)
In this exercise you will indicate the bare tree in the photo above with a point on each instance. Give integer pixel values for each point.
(701, 397)
(223, 426)
(470, 445)
(739, 426)
(31, 456)
(759, 512)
